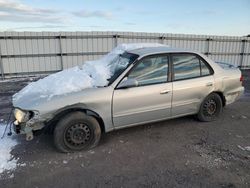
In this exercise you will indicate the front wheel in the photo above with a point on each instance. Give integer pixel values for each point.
(210, 108)
(76, 131)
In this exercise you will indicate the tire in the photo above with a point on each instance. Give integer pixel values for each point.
(76, 131)
(210, 108)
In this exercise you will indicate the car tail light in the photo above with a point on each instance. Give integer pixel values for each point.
(241, 79)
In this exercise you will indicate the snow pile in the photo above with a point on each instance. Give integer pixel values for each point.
(91, 74)
(7, 161)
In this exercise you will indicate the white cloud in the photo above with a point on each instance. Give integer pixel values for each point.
(96, 13)
(208, 12)
(15, 11)
(129, 23)
(6, 17)
(53, 27)
(18, 7)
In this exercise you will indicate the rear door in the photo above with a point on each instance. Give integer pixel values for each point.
(192, 81)
(150, 100)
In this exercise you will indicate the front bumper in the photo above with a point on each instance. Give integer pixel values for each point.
(35, 123)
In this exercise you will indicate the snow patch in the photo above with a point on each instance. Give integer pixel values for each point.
(247, 148)
(91, 152)
(7, 161)
(90, 74)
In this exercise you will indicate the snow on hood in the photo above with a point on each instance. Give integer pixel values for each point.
(90, 74)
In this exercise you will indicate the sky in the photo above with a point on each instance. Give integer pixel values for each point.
(208, 17)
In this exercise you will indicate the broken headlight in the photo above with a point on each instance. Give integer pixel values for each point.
(22, 116)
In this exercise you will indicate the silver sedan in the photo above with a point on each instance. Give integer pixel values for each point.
(155, 84)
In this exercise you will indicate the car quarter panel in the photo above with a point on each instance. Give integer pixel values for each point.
(228, 82)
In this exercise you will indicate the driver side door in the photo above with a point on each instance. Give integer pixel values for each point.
(150, 100)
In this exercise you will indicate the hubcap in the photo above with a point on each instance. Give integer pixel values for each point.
(77, 135)
(210, 107)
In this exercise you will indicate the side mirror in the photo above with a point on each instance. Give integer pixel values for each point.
(127, 82)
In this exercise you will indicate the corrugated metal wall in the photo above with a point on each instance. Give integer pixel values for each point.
(31, 53)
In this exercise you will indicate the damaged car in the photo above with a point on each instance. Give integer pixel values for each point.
(134, 84)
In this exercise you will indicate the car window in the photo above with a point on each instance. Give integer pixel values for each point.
(119, 64)
(188, 66)
(150, 70)
(204, 69)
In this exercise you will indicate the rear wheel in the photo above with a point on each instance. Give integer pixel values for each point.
(76, 131)
(210, 108)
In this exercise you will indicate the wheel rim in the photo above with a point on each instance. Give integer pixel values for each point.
(77, 135)
(210, 107)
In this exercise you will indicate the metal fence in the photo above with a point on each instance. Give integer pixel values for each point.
(32, 53)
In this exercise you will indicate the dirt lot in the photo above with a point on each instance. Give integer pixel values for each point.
(175, 153)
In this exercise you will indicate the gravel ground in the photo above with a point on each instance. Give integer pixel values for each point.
(176, 153)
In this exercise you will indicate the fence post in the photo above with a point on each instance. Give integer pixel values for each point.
(207, 46)
(115, 40)
(243, 42)
(1, 64)
(162, 39)
(61, 55)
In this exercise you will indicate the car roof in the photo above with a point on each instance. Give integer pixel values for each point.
(154, 50)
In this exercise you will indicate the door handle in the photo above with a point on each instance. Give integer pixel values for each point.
(165, 91)
(209, 84)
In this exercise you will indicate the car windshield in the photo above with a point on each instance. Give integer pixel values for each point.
(119, 64)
